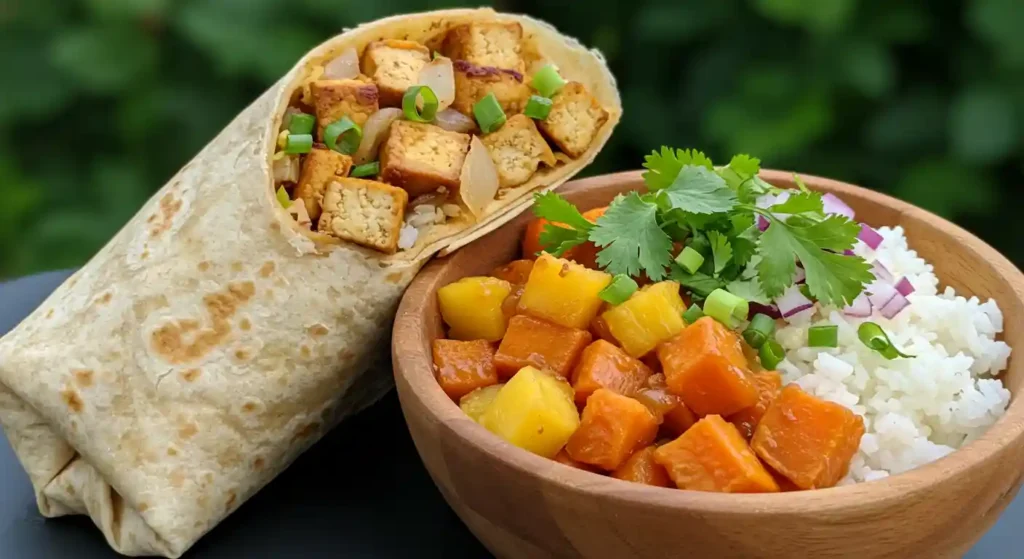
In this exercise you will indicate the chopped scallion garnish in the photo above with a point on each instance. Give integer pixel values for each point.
(873, 336)
(726, 308)
(620, 289)
(343, 136)
(282, 197)
(538, 108)
(298, 143)
(301, 123)
(411, 99)
(693, 314)
(771, 354)
(823, 336)
(547, 81)
(488, 113)
(366, 170)
(760, 330)
(690, 260)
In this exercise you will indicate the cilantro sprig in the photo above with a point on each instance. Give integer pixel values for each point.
(713, 210)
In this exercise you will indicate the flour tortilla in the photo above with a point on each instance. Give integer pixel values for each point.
(212, 341)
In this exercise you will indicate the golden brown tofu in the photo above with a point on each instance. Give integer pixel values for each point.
(394, 66)
(367, 213)
(517, 149)
(486, 44)
(422, 157)
(575, 118)
(473, 83)
(334, 99)
(320, 167)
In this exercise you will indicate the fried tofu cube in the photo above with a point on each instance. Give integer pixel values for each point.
(518, 149)
(334, 99)
(493, 43)
(364, 212)
(394, 65)
(422, 157)
(320, 167)
(575, 118)
(473, 83)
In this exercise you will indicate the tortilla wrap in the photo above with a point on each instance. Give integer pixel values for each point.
(212, 340)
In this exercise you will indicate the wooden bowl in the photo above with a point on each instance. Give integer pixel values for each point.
(522, 505)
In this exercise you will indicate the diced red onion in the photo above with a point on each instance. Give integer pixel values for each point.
(880, 293)
(849, 252)
(860, 307)
(758, 308)
(801, 275)
(869, 236)
(904, 286)
(832, 204)
(453, 120)
(344, 67)
(894, 306)
(793, 301)
(882, 273)
(762, 223)
(375, 130)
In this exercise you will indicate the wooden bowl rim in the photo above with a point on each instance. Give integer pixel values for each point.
(414, 365)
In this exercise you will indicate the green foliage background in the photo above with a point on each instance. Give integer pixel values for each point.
(101, 101)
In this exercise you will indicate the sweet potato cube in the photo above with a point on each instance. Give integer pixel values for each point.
(541, 344)
(712, 456)
(462, 367)
(563, 292)
(476, 402)
(564, 458)
(515, 272)
(769, 384)
(642, 468)
(705, 366)
(673, 415)
(471, 307)
(534, 411)
(613, 426)
(650, 316)
(604, 365)
(808, 440)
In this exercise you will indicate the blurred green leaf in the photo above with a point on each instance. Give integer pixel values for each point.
(820, 16)
(897, 22)
(681, 21)
(913, 123)
(948, 189)
(33, 87)
(1000, 23)
(867, 67)
(124, 9)
(105, 59)
(982, 124)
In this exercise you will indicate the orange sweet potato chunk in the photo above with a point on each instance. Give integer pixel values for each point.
(541, 344)
(704, 365)
(641, 468)
(515, 272)
(712, 456)
(564, 458)
(604, 365)
(462, 367)
(612, 427)
(769, 384)
(808, 440)
(672, 413)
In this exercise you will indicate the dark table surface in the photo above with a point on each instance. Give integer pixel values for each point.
(341, 499)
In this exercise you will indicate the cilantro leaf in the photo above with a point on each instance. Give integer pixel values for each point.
(798, 203)
(632, 240)
(777, 266)
(663, 167)
(557, 240)
(721, 250)
(750, 190)
(744, 246)
(749, 289)
(698, 283)
(699, 190)
(552, 207)
(744, 165)
(835, 232)
(800, 183)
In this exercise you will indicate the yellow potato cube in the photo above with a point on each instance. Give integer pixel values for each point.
(471, 307)
(476, 402)
(563, 292)
(534, 411)
(651, 316)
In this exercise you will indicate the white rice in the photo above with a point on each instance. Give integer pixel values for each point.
(915, 410)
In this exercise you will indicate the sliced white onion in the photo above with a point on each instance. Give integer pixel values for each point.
(860, 307)
(453, 120)
(344, 67)
(894, 306)
(793, 301)
(298, 211)
(407, 236)
(870, 237)
(439, 76)
(375, 130)
(478, 181)
(286, 169)
(904, 286)
(880, 293)
(832, 204)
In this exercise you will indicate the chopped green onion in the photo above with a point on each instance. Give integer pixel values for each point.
(436, 55)
(301, 123)
(621, 287)
(823, 336)
(538, 108)
(282, 197)
(488, 113)
(690, 260)
(771, 354)
(760, 330)
(806, 291)
(726, 308)
(875, 338)
(343, 136)
(298, 143)
(693, 314)
(366, 170)
(546, 81)
(409, 104)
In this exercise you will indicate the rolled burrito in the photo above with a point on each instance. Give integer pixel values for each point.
(237, 317)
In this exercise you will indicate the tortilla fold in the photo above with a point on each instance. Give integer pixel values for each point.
(212, 340)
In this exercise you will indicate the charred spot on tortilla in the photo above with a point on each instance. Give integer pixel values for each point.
(421, 157)
(244, 325)
(171, 451)
(306, 430)
(187, 431)
(241, 354)
(231, 500)
(304, 350)
(190, 375)
(144, 255)
(169, 340)
(168, 207)
(236, 266)
(143, 507)
(83, 377)
(203, 266)
(317, 330)
(394, 277)
(257, 463)
(267, 269)
(72, 399)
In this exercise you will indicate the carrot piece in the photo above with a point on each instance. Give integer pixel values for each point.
(769, 384)
(808, 440)
(705, 366)
(712, 456)
(673, 415)
(515, 272)
(462, 367)
(641, 468)
(564, 458)
(534, 342)
(604, 365)
(612, 427)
